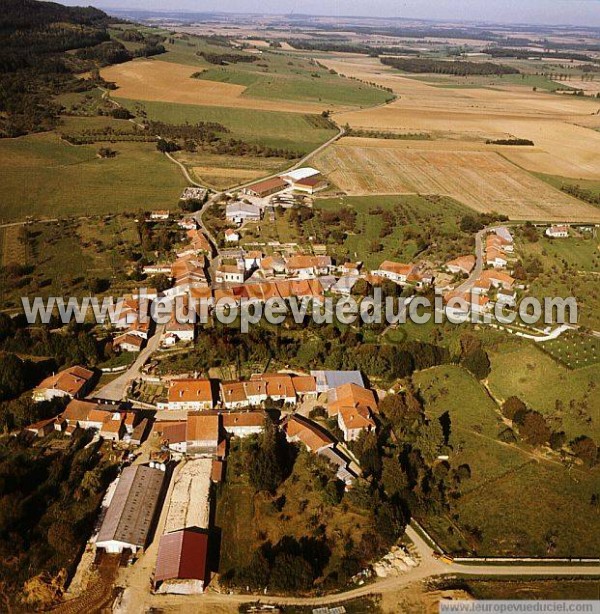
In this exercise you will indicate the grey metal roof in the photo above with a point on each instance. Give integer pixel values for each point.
(333, 379)
(131, 511)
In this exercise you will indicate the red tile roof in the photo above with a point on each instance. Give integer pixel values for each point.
(182, 556)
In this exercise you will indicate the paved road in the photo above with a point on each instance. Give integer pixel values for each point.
(115, 390)
(467, 285)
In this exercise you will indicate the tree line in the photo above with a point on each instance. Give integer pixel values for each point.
(448, 67)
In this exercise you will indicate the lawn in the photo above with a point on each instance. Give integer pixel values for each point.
(568, 398)
(513, 503)
(269, 128)
(45, 177)
(430, 224)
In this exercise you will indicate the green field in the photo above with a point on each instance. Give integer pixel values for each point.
(514, 503)
(567, 398)
(591, 185)
(45, 177)
(574, 350)
(419, 221)
(492, 81)
(270, 128)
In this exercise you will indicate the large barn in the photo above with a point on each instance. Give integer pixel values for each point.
(132, 510)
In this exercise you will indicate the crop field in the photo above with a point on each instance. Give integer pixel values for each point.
(45, 177)
(294, 131)
(484, 181)
(574, 350)
(155, 80)
(518, 503)
(222, 172)
(558, 124)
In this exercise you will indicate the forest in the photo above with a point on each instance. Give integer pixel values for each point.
(447, 67)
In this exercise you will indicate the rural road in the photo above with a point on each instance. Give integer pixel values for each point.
(468, 284)
(115, 390)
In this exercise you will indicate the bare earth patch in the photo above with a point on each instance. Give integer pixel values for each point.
(484, 181)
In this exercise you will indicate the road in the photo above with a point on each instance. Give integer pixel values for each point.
(468, 284)
(138, 598)
(115, 390)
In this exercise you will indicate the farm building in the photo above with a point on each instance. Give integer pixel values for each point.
(300, 429)
(182, 563)
(266, 187)
(128, 343)
(238, 213)
(73, 382)
(203, 433)
(241, 424)
(310, 185)
(300, 173)
(130, 516)
(231, 236)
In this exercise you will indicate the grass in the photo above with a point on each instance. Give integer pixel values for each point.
(65, 256)
(570, 268)
(519, 504)
(592, 185)
(44, 177)
(270, 128)
(574, 350)
(435, 219)
(281, 76)
(567, 398)
(491, 81)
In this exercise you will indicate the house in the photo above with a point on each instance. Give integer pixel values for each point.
(182, 563)
(191, 394)
(231, 236)
(113, 428)
(462, 264)
(202, 433)
(345, 284)
(472, 302)
(174, 435)
(238, 213)
(394, 271)
(230, 273)
(350, 395)
(279, 387)
(308, 266)
(272, 265)
(131, 513)
(557, 232)
(43, 427)
(498, 279)
(85, 414)
(507, 297)
(73, 382)
(188, 223)
(350, 268)
(305, 386)
(354, 420)
(506, 237)
(128, 342)
(496, 258)
(160, 216)
(328, 380)
(233, 395)
(300, 429)
(242, 424)
(265, 188)
(252, 260)
(183, 331)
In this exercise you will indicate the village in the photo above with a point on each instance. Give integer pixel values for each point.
(175, 446)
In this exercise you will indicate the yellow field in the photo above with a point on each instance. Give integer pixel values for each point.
(155, 80)
(482, 180)
(559, 125)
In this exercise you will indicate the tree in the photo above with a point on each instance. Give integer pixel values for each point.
(511, 406)
(534, 428)
(557, 440)
(291, 573)
(266, 460)
(585, 449)
(478, 363)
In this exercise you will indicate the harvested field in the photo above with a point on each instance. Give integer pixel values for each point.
(155, 80)
(559, 125)
(13, 250)
(483, 181)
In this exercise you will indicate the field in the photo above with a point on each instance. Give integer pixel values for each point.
(515, 502)
(558, 124)
(567, 397)
(436, 221)
(574, 350)
(67, 254)
(157, 80)
(570, 268)
(483, 181)
(294, 131)
(43, 176)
